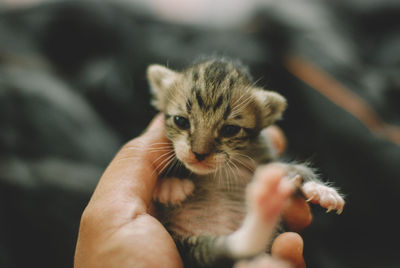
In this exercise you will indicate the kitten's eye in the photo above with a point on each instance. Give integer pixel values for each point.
(182, 122)
(229, 131)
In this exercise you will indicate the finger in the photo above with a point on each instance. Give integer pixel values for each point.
(156, 123)
(264, 261)
(277, 138)
(126, 187)
(297, 214)
(289, 247)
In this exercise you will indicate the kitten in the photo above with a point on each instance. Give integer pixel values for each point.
(213, 117)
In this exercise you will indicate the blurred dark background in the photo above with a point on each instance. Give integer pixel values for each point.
(73, 90)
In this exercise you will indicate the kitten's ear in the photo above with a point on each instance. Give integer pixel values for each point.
(272, 105)
(161, 79)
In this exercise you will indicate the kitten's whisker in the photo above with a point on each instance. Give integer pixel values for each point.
(132, 148)
(245, 165)
(176, 165)
(224, 176)
(160, 146)
(237, 168)
(163, 155)
(217, 174)
(249, 166)
(165, 162)
(248, 157)
(237, 105)
(152, 149)
(166, 157)
(241, 106)
(233, 178)
(143, 150)
(237, 101)
(255, 83)
(160, 150)
(180, 165)
(152, 146)
(232, 165)
(228, 179)
(220, 178)
(142, 144)
(169, 143)
(171, 166)
(239, 110)
(127, 158)
(244, 94)
(167, 154)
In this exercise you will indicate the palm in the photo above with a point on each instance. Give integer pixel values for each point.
(146, 242)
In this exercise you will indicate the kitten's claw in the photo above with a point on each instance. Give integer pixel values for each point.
(310, 198)
(327, 197)
(172, 190)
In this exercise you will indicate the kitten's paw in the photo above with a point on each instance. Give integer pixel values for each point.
(269, 191)
(172, 190)
(327, 197)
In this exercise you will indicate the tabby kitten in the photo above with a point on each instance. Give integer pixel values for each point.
(213, 117)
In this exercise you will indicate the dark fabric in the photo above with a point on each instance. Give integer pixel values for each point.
(73, 90)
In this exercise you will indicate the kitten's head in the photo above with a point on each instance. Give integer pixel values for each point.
(213, 112)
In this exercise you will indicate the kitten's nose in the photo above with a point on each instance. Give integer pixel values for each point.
(200, 157)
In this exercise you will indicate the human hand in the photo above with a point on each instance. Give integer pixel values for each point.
(117, 228)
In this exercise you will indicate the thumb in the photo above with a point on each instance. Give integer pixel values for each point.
(127, 184)
(155, 125)
(155, 149)
(289, 247)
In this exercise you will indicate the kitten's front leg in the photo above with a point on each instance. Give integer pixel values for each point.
(266, 195)
(172, 190)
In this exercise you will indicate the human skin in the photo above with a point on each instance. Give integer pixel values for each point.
(118, 228)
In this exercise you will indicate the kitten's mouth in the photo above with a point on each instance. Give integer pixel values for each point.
(200, 167)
